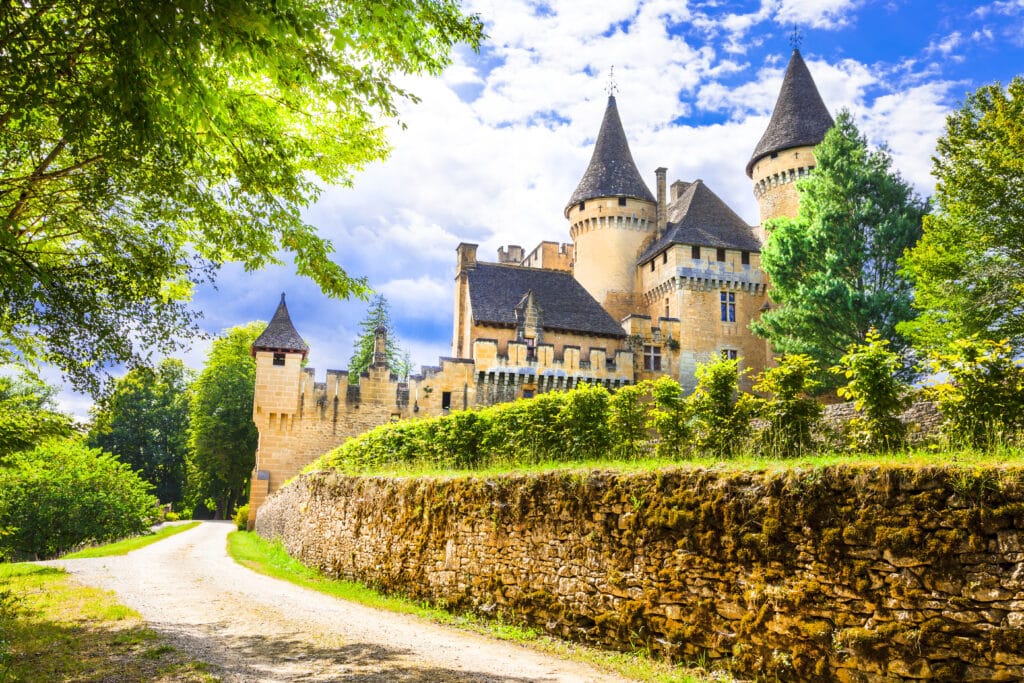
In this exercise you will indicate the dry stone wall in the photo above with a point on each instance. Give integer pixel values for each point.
(842, 573)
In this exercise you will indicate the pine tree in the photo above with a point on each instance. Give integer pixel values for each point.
(377, 315)
(834, 268)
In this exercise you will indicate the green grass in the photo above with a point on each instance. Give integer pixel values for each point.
(54, 630)
(125, 546)
(919, 457)
(270, 559)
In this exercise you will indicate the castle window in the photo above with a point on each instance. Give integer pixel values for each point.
(652, 358)
(622, 201)
(730, 354)
(745, 258)
(695, 252)
(446, 400)
(664, 256)
(583, 205)
(666, 308)
(720, 254)
(652, 265)
(775, 155)
(528, 393)
(278, 359)
(728, 301)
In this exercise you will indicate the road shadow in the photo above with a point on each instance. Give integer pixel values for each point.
(295, 660)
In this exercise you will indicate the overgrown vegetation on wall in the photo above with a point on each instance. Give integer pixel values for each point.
(982, 405)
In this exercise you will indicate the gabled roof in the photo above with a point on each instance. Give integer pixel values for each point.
(612, 171)
(280, 334)
(699, 217)
(800, 117)
(495, 290)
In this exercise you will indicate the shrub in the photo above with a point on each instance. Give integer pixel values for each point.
(791, 413)
(721, 415)
(627, 420)
(241, 517)
(873, 384)
(584, 422)
(670, 417)
(983, 405)
(63, 495)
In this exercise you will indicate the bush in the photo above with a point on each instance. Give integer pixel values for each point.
(627, 421)
(721, 415)
(241, 517)
(791, 413)
(874, 386)
(983, 405)
(584, 422)
(670, 418)
(63, 495)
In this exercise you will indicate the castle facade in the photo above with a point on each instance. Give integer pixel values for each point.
(651, 284)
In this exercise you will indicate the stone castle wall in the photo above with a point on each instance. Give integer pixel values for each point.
(846, 573)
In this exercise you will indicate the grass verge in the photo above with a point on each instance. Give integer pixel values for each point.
(250, 550)
(52, 629)
(125, 546)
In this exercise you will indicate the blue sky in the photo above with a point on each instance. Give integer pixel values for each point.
(497, 144)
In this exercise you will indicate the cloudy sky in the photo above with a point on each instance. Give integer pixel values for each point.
(496, 146)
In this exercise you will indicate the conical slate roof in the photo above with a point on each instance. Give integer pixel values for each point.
(800, 117)
(700, 218)
(612, 171)
(280, 334)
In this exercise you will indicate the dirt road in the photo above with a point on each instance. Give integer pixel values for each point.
(255, 628)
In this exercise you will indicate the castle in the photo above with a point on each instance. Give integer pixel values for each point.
(652, 284)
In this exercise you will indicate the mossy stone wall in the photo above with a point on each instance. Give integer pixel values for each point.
(847, 573)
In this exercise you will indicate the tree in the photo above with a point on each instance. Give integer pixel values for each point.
(144, 422)
(720, 412)
(873, 384)
(223, 438)
(27, 414)
(790, 413)
(968, 268)
(62, 495)
(834, 268)
(143, 144)
(378, 314)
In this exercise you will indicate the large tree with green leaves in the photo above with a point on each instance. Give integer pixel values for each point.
(968, 268)
(834, 268)
(144, 143)
(144, 422)
(28, 416)
(223, 438)
(378, 314)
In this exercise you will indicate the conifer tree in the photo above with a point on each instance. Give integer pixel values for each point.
(378, 314)
(834, 268)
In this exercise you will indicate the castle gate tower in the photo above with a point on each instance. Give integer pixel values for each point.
(785, 152)
(611, 215)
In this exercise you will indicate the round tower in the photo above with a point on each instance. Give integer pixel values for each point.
(611, 215)
(785, 152)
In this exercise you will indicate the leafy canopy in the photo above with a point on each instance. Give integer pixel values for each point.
(834, 268)
(968, 268)
(144, 422)
(223, 438)
(143, 144)
(27, 414)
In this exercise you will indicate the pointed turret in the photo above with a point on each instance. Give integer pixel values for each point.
(786, 150)
(611, 214)
(612, 171)
(280, 335)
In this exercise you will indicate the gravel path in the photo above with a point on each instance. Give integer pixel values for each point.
(255, 628)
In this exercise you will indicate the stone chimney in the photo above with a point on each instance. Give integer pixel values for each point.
(380, 346)
(466, 257)
(661, 211)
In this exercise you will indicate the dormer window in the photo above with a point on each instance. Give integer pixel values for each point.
(695, 252)
(278, 359)
(720, 255)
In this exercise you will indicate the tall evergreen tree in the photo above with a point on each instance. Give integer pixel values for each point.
(834, 268)
(144, 423)
(968, 268)
(378, 314)
(223, 438)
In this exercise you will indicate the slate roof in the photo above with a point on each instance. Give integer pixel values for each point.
(496, 289)
(800, 116)
(699, 217)
(612, 171)
(280, 334)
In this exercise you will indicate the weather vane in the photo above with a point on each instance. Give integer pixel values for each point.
(612, 88)
(795, 38)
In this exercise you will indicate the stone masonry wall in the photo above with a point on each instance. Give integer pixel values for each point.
(842, 573)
